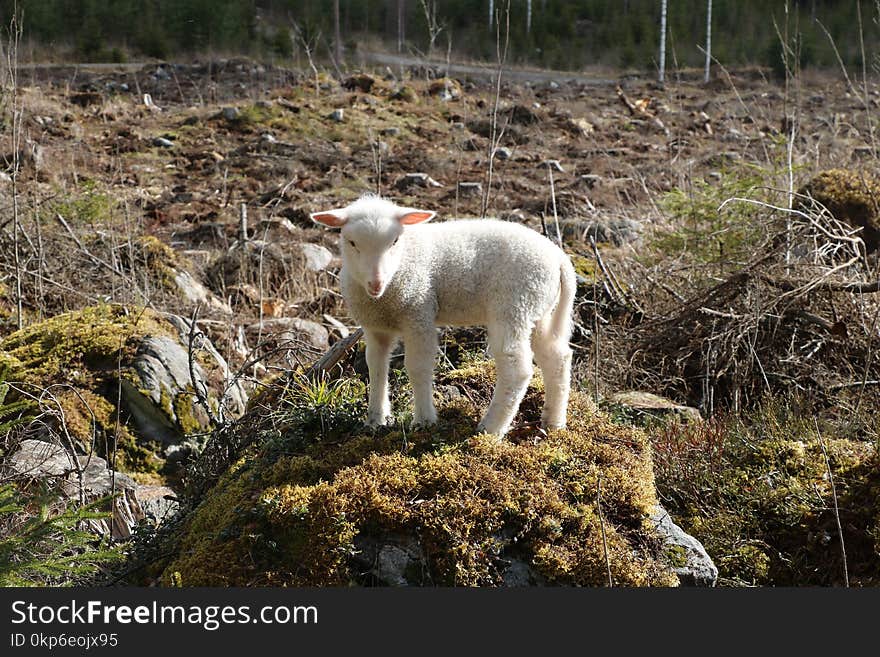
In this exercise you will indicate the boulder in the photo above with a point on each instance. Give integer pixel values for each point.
(294, 330)
(332, 504)
(98, 351)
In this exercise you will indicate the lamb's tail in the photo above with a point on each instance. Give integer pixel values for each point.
(562, 323)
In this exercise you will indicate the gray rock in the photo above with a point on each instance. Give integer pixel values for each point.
(689, 559)
(157, 502)
(618, 231)
(158, 387)
(518, 573)
(392, 131)
(337, 115)
(315, 257)
(163, 143)
(196, 293)
(503, 153)
(392, 561)
(651, 404)
(230, 113)
(76, 477)
(297, 331)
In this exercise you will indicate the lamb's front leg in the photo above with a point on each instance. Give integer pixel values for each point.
(420, 350)
(379, 346)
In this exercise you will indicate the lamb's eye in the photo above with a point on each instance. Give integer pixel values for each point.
(396, 240)
(352, 243)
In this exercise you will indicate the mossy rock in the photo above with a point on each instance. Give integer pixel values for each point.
(80, 362)
(852, 197)
(313, 506)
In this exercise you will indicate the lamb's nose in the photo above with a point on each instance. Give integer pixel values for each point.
(374, 288)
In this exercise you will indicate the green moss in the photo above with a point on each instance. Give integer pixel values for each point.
(61, 347)
(183, 411)
(290, 511)
(586, 267)
(89, 206)
(758, 495)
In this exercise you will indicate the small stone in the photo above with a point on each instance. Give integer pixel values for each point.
(470, 188)
(590, 180)
(416, 180)
(503, 153)
(393, 131)
(553, 164)
(162, 142)
(337, 115)
(693, 565)
(651, 404)
(268, 138)
(230, 113)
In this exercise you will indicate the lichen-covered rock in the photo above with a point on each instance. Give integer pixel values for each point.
(852, 197)
(687, 555)
(318, 502)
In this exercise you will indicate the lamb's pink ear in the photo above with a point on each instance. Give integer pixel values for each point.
(332, 218)
(409, 216)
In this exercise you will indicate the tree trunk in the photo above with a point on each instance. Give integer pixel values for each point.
(662, 41)
(401, 24)
(528, 16)
(708, 42)
(337, 34)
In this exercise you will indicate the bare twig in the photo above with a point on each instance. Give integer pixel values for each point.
(834, 498)
(199, 387)
(602, 527)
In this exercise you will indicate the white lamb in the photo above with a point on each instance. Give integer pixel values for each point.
(401, 277)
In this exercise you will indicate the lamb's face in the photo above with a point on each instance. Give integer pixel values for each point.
(371, 242)
(372, 251)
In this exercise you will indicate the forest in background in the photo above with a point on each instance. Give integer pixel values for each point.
(561, 34)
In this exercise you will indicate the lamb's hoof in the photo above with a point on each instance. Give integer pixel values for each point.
(482, 428)
(421, 425)
(377, 423)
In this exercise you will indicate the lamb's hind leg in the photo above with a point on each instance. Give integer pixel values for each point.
(513, 365)
(553, 356)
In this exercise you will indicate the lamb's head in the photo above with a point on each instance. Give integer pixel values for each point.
(371, 233)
